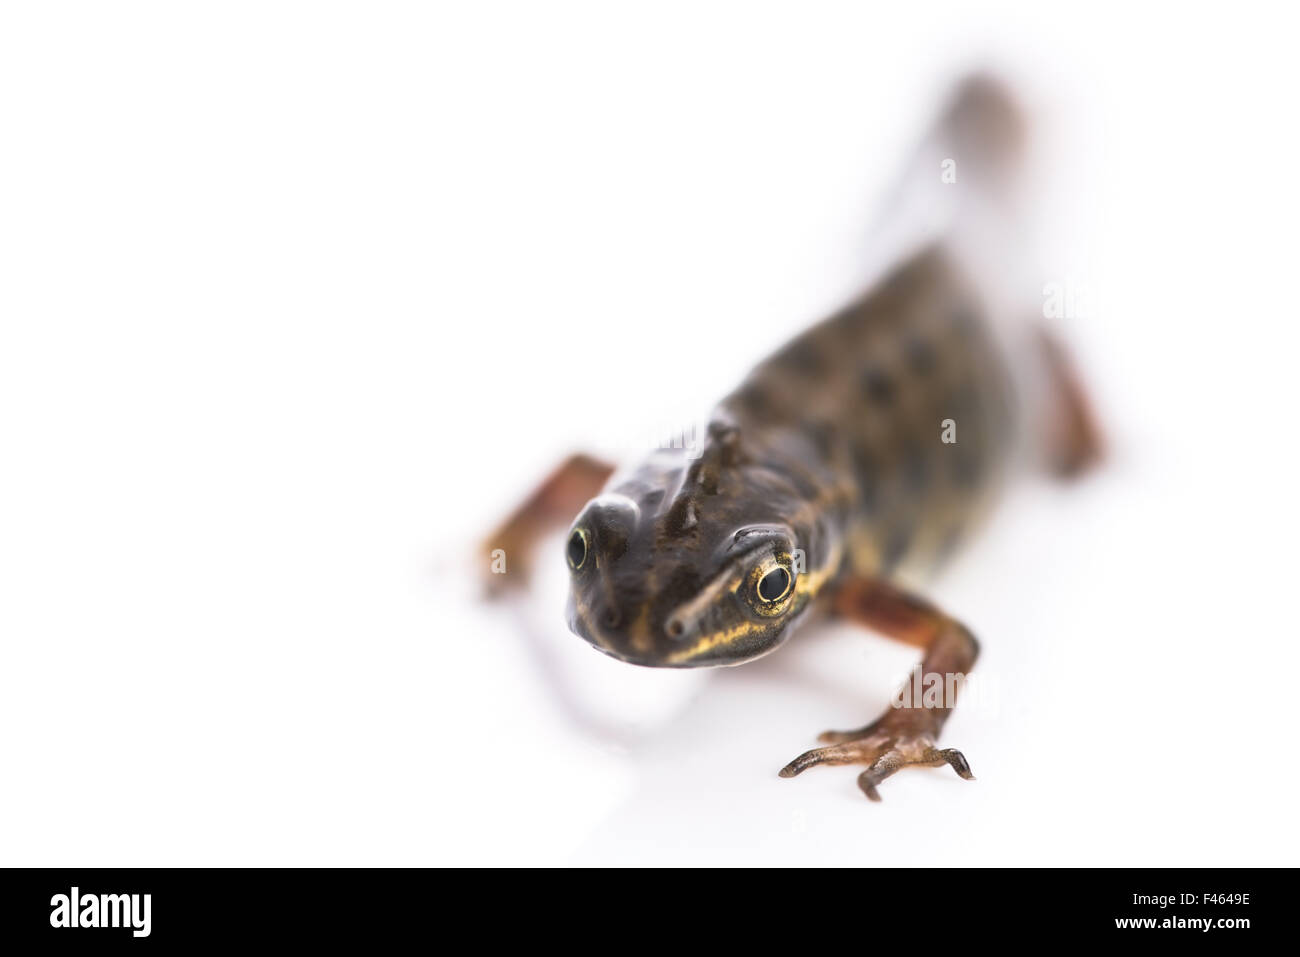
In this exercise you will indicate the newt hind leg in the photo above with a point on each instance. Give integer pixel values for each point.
(906, 735)
(1074, 440)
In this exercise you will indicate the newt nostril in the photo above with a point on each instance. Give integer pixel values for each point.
(610, 618)
(674, 627)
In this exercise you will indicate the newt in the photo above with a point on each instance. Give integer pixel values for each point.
(843, 471)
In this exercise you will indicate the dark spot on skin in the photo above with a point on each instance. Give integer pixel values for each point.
(920, 354)
(878, 386)
(610, 618)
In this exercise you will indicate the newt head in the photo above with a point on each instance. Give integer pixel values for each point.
(691, 564)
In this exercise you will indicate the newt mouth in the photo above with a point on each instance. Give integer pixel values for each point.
(618, 650)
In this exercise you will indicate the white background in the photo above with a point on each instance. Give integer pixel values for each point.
(298, 299)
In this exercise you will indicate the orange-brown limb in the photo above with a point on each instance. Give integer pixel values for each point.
(1074, 440)
(552, 504)
(906, 734)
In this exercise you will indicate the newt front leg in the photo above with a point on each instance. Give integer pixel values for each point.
(905, 735)
(553, 503)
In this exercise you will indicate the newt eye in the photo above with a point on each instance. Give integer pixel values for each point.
(576, 550)
(773, 586)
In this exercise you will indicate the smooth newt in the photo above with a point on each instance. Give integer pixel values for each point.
(826, 481)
